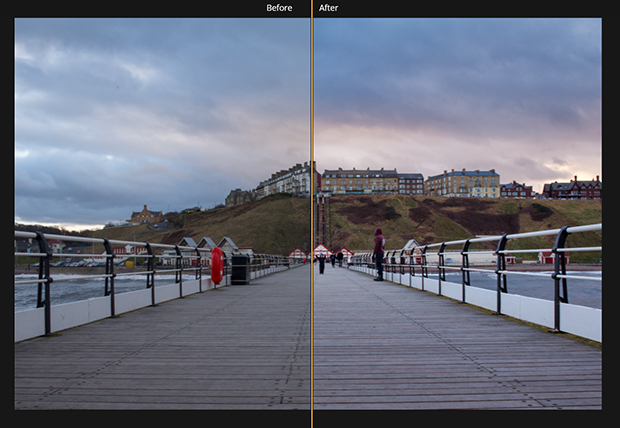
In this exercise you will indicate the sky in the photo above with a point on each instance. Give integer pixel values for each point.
(113, 114)
(521, 96)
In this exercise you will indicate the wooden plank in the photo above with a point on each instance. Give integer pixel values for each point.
(385, 346)
(237, 347)
(376, 346)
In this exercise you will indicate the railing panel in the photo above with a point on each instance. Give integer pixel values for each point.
(50, 317)
(539, 311)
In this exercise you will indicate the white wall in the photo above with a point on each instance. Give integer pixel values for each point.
(31, 323)
(578, 320)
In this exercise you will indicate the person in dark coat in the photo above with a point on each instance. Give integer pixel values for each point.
(378, 252)
(332, 258)
(321, 259)
(339, 257)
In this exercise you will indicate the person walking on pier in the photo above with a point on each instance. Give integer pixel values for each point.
(378, 252)
(321, 259)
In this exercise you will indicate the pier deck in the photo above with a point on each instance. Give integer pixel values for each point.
(237, 347)
(375, 346)
(379, 345)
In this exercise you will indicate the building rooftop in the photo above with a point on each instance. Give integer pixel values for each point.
(464, 172)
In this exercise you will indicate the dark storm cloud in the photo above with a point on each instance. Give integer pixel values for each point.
(112, 114)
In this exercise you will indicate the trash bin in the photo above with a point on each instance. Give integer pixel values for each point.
(240, 273)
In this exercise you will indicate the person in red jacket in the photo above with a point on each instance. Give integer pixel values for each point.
(378, 252)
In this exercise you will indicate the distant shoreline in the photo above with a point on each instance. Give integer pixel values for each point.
(79, 270)
(519, 267)
(530, 268)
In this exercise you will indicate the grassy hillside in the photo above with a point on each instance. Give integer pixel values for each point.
(274, 225)
(435, 219)
(278, 224)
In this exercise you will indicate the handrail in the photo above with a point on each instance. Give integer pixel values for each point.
(265, 263)
(558, 275)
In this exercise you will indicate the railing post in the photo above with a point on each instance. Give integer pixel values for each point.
(559, 269)
(109, 270)
(464, 268)
(44, 274)
(424, 266)
(260, 265)
(150, 277)
(501, 278)
(411, 265)
(178, 278)
(401, 266)
(199, 270)
(440, 266)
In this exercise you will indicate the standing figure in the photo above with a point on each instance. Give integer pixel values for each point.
(378, 252)
(321, 259)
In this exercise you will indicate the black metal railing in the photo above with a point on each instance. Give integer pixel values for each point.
(407, 260)
(185, 259)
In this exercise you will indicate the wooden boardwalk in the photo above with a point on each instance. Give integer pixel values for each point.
(386, 346)
(376, 346)
(237, 347)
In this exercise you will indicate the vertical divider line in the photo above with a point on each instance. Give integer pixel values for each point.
(312, 192)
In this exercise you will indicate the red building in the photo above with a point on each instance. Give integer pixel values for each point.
(548, 258)
(346, 253)
(297, 253)
(515, 190)
(586, 190)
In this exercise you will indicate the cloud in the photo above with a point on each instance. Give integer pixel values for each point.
(112, 114)
(26, 183)
(425, 95)
(118, 113)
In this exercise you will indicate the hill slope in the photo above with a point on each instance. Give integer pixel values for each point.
(274, 225)
(435, 219)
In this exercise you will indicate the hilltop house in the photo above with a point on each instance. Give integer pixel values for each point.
(515, 190)
(239, 197)
(575, 189)
(477, 183)
(365, 181)
(296, 180)
(146, 216)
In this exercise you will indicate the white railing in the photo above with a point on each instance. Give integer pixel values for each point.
(400, 266)
(186, 259)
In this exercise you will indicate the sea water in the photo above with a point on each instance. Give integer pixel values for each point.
(581, 292)
(65, 289)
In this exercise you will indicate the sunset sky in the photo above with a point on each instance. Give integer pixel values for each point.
(521, 96)
(113, 114)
